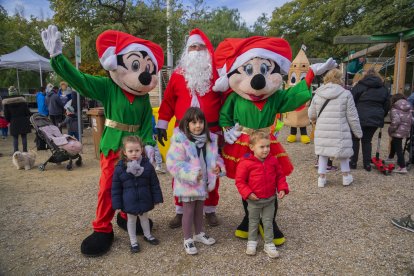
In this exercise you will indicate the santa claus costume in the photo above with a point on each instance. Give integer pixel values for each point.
(183, 91)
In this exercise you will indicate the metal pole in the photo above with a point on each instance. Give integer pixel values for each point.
(159, 88)
(40, 71)
(169, 41)
(79, 110)
(18, 82)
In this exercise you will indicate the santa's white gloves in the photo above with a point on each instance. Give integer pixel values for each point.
(320, 68)
(52, 40)
(231, 134)
(150, 152)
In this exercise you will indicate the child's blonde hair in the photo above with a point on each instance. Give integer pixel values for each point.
(257, 135)
(131, 139)
(333, 76)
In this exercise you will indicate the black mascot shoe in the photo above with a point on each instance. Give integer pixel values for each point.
(242, 230)
(97, 244)
(122, 223)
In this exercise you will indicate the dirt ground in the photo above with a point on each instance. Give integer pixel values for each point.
(336, 230)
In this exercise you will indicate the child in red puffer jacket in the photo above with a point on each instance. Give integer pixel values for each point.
(4, 126)
(259, 178)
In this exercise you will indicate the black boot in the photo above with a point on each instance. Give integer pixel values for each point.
(278, 237)
(122, 223)
(242, 230)
(97, 244)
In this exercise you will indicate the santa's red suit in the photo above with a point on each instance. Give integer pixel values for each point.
(177, 99)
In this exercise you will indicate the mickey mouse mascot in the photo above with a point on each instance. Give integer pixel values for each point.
(250, 72)
(132, 64)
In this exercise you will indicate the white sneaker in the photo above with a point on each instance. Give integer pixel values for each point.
(251, 248)
(203, 238)
(190, 247)
(347, 180)
(271, 250)
(159, 169)
(321, 182)
(401, 170)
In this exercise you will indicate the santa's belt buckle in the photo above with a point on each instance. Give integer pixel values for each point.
(120, 126)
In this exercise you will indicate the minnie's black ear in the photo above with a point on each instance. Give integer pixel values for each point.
(235, 71)
(276, 69)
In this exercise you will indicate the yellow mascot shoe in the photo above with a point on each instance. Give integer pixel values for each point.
(241, 234)
(291, 138)
(305, 139)
(279, 241)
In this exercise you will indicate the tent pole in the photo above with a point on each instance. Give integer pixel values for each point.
(40, 72)
(18, 82)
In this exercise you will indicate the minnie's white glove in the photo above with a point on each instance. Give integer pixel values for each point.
(52, 40)
(231, 134)
(320, 68)
(150, 152)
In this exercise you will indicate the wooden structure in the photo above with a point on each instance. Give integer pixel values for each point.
(385, 40)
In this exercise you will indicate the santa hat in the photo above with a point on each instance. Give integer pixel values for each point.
(198, 37)
(111, 43)
(233, 52)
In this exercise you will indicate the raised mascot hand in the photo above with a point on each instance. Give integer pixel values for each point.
(52, 40)
(320, 68)
(232, 134)
(161, 135)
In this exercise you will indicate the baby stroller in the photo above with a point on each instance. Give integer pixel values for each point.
(62, 146)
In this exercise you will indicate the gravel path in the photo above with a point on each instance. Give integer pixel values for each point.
(44, 217)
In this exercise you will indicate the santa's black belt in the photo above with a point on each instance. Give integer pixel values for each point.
(120, 126)
(210, 124)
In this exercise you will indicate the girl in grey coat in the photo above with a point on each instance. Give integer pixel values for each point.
(401, 120)
(334, 125)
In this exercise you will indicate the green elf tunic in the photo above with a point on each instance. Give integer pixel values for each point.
(259, 115)
(117, 107)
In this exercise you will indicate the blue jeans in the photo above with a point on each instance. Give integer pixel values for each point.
(74, 133)
(16, 142)
(4, 131)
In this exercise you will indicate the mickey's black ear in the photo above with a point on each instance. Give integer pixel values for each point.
(276, 69)
(120, 61)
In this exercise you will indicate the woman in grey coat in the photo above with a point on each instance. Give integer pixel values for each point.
(334, 124)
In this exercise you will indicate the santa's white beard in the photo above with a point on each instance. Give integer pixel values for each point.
(197, 71)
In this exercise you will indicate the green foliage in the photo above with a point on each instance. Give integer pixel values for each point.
(316, 23)
(16, 32)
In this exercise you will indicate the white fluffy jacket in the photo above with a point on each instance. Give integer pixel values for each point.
(333, 127)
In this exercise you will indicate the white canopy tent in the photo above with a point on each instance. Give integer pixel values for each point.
(25, 59)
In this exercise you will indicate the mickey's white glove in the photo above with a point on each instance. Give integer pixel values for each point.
(150, 152)
(231, 134)
(52, 40)
(320, 68)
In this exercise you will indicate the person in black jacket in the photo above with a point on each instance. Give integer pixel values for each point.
(136, 189)
(17, 113)
(372, 100)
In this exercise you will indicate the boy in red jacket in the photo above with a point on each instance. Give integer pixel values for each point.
(258, 178)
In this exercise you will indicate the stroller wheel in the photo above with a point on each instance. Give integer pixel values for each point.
(69, 167)
(42, 167)
(78, 162)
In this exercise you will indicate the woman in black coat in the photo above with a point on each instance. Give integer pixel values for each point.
(17, 113)
(372, 100)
